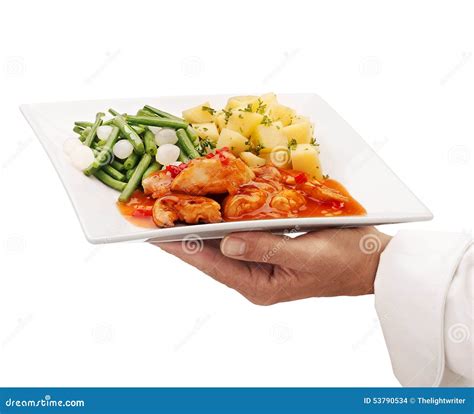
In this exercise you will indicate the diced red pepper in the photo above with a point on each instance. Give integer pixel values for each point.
(174, 170)
(220, 154)
(301, 178)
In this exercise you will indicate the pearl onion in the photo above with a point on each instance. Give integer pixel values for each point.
(154, 129)
(123, 149)
(81, 157)
(70, 145)
(166, 136)
(103, 132)
(167, 154)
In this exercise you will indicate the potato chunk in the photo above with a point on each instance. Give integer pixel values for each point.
(300, 132)
(249, 101)
(199, 114)
(281, 113)
(269, 137)
(244, 122)
(236, 142)
(251, 159)
(305, 158)
(207, 131)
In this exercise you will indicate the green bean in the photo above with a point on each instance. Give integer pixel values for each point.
(92, 133)
(182, 156)
(193, 136)
(155, 121)
(113, 172)
(86, 130)
(114, 163)
(159, 112)
(186, 145)
(154, 166)
(136, 178)
(138, 129)
(117, 165)
(78, 130)
(150, 145)
(83, 124)
(129, 133)
(131, 161)
(105, 155)
(129, 173)
(145, 112)
(109, 181)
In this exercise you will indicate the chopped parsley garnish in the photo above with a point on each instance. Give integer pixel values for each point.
(261, 107)
(205, 143)
(266, 120)
(227, 114)
(209, 109)
(292, 144)
(313, 142)
(258, 148)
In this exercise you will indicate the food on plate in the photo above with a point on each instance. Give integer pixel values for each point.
(186, 208)
(256, 158)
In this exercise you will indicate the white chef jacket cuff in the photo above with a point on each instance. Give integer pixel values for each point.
(411, 287)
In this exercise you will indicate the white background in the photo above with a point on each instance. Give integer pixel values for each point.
(73, 314)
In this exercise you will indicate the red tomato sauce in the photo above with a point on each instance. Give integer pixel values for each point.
(138, 210)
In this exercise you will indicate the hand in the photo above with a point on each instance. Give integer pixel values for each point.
(268, 268)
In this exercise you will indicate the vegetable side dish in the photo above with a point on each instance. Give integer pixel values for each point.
(253, 159)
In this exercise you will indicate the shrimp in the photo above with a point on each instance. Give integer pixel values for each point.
(321, 192)
(248, 200)
(287, 200)
(157, 184)
(220, 174)
(268, 173)
(189, 209)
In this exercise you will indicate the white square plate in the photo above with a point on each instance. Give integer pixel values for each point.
(345, 156)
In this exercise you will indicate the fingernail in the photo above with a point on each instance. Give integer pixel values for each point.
(233, 246)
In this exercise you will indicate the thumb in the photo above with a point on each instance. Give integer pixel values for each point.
(258, 247)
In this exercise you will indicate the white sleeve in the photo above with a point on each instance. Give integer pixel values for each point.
(424, 300)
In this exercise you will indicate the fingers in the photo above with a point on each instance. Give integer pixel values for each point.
(270, 248)
(209, 259)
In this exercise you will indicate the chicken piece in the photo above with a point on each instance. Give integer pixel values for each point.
(321, 192)
(158, 183)
(217, 175)
(289, 201)
(190, 209)
(248, 200)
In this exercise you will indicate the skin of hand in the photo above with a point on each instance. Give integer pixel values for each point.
(267, 268)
